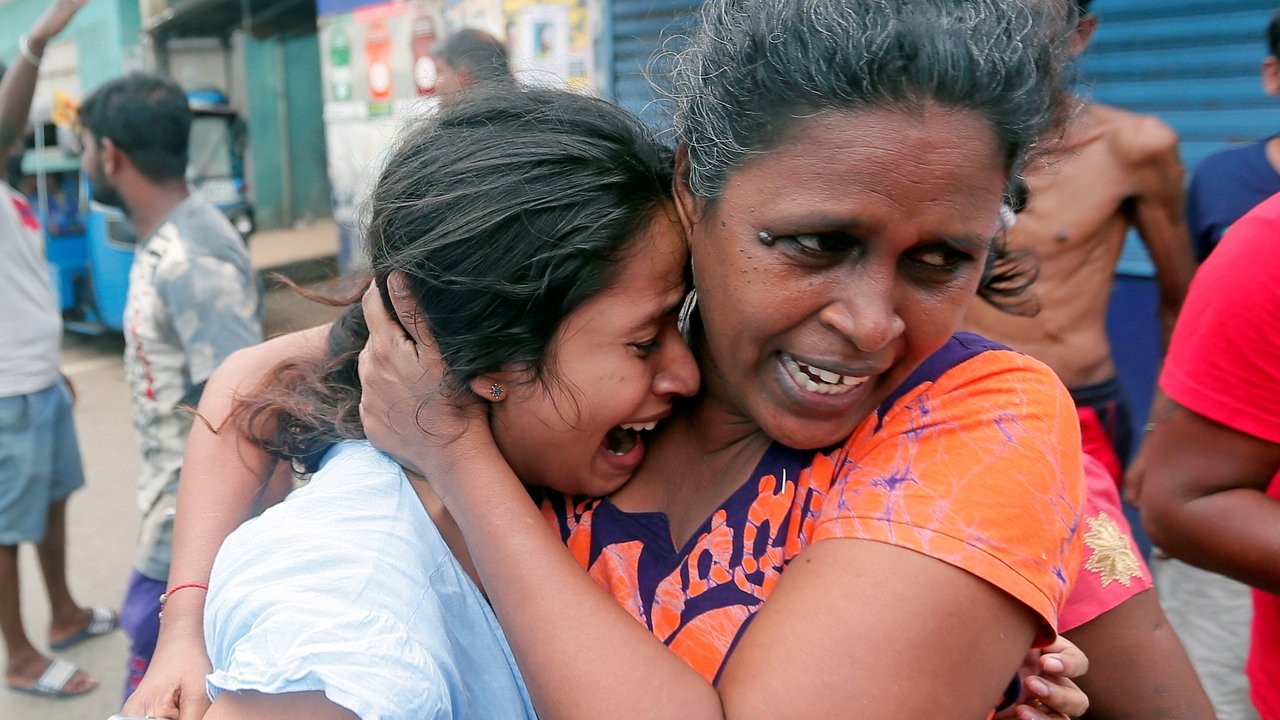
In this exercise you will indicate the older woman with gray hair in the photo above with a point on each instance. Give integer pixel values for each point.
(864, 513)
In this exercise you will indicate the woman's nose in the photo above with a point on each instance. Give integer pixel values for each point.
(865, 312)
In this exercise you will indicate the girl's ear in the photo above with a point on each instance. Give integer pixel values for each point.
(688, 205)
(491, 386)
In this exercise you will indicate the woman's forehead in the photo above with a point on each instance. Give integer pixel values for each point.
(828, 158)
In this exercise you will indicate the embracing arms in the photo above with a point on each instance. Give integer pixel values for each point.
(583, 656)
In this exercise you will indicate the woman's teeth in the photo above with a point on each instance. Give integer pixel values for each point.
(818, 380)
(640, 426)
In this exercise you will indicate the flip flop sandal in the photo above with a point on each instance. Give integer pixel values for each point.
(53, 681)
(101, 622)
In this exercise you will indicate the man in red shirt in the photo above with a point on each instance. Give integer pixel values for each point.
(1210, 470)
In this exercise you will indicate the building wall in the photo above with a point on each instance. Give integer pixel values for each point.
(104, 34)
(286, 129)
(200, 63)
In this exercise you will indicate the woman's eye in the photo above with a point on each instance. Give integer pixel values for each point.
(824, 244)
(939, 258)
(810, 242)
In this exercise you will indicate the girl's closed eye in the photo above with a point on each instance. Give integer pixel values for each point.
(646, 346)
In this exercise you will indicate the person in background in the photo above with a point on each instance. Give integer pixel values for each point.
(1107, 171)
(193, 299)
(1211, 611)
(39, 456)
(1209, 471)
(467, 58)
(1230, 183)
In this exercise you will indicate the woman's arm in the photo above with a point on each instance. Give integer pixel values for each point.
(259, 706)
(221, 485)
(912, 657)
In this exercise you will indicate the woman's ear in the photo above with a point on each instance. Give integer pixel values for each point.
(490, 386)
(688, 206)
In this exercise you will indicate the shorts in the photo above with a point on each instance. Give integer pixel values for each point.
(1211, 614)
(140, 620)
(1105, 425)
(39, 461)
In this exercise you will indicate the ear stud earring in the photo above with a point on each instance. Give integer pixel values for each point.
(495, 390)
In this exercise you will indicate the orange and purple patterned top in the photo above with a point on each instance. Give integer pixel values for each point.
(975, 461)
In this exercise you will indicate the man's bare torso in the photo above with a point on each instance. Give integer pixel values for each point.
(1080, 206)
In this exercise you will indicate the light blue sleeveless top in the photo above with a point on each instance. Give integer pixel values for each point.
(348, 588)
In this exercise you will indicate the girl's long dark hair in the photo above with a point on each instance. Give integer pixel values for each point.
(506, 212)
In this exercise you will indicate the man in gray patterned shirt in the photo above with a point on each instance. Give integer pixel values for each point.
(193, 300)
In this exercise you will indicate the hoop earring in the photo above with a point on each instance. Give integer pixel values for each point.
(495, 390)
(684, 319)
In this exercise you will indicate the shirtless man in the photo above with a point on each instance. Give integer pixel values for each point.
(1107, 171)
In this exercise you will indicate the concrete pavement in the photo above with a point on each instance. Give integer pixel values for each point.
(103, 517)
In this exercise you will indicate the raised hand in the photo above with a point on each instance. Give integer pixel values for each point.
(407, 408)
(53, 21)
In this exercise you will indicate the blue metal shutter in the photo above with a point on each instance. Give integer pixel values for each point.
(640, 31)
(1194, 64)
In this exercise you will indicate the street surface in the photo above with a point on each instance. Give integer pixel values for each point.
(103, 516)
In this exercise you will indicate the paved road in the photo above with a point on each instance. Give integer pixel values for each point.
(103, 517)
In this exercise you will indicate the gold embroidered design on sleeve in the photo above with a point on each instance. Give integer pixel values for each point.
(1112, 556)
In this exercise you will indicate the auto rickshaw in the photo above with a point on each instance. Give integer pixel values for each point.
(90, 246)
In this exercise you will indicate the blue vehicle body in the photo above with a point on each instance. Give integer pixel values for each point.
(90, 246)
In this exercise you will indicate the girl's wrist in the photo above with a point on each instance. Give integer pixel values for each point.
(475, 470)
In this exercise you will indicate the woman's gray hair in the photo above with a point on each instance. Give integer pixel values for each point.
(756, 65)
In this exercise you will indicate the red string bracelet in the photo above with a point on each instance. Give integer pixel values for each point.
(164, 597)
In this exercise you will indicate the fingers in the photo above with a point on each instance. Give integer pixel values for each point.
(407, 310)
(194, 706)
(1037, 712)
(380, 323)
(1056, 695)
(1064, 658)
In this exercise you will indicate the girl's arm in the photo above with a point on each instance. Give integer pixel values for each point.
(221, 485)
(583, 656)
(258, 706)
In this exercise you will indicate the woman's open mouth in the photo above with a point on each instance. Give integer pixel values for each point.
(624, 438)
(820, 380)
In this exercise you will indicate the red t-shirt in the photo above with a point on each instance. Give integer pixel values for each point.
(974, 461)
(1224, 364)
